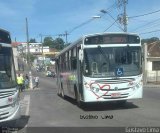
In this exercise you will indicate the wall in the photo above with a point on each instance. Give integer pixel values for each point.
(15, 55)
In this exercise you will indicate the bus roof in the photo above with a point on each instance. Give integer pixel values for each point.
(70, 46)
(90, 35)
(4, 30)
(105, 33)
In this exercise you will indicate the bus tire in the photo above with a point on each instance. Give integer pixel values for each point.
(77, 98)
(62, 91)
(59, 92)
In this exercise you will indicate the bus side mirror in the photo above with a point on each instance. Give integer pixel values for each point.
(80, 54)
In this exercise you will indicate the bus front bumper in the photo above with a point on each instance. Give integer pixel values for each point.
(11, 116)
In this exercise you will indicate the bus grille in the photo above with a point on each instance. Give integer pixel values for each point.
(115, 81)
(4, 94)
(125, 95)
(3, 115)
(119, 89)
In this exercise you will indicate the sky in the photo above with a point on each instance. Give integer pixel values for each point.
(76, 17)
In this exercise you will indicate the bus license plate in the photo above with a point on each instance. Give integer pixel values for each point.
(115, 94)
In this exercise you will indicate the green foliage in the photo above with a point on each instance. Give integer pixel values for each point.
(48, 41)
(150, 40)
(67, 44)
(31, 57)
(58, 43)
(32, 40)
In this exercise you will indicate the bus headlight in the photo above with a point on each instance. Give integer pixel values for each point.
(13, 101)
(10, 99)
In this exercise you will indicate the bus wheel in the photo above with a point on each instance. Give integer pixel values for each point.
(59, 92)
(62, 92)
(77, 96)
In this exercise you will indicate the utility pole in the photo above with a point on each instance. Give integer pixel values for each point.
(28, 56)
(66, 34)
(123, 17)
(28, 48)
(42, 49)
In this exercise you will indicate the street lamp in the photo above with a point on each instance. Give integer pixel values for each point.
(95, 17)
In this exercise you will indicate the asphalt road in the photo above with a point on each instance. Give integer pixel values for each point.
(43, 108)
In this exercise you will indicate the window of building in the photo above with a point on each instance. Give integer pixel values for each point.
(155, 65)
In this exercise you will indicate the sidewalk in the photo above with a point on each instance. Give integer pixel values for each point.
(152, 85)
(27, 71)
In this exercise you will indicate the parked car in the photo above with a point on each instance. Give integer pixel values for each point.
(50, 74)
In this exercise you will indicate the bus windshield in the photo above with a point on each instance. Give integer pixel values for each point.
(102, 62)
(5, 37)
(7, 73)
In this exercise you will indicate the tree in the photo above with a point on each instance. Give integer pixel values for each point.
(32, 40)
(58, 43)
(48, 41)
(67, 44)
(150, 40)
(30, 56)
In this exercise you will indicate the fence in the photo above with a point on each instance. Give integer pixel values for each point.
(152, 77)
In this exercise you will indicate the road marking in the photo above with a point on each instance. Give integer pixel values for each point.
(27, 98)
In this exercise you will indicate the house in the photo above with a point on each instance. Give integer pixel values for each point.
(43, 54)
(152, 67)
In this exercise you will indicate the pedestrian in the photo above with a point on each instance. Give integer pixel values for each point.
(36, 80)
(26, 81)
(20, 82)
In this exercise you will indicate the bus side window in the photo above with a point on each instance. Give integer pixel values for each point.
(73, 63)
(74, 59)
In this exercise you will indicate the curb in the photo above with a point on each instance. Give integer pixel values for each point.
(154, 86)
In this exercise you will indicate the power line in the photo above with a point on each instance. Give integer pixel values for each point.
(144, 14)
(88, 21)
(119, 26)
(84, 23)
(149, 32)
(151, 27)
(110, 26)
(63, 34)
(112, 6)
(146, 24)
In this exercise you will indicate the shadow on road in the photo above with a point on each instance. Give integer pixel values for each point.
(23, 121)
(104, 106)
(108, 106)
(16, 124)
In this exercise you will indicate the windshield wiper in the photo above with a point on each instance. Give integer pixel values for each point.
(102, 52)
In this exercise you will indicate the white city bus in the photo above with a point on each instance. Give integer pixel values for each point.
(101, 67)
(9, 93)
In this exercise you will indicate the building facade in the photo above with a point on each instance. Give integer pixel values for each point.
(152, 62)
